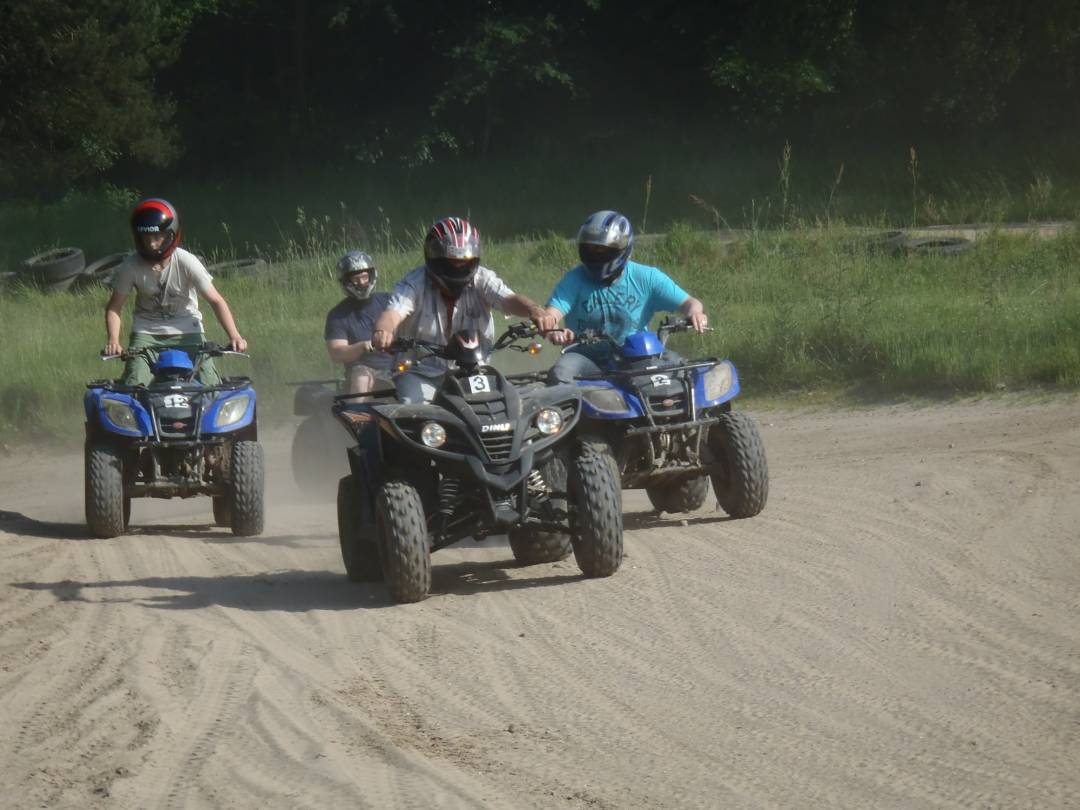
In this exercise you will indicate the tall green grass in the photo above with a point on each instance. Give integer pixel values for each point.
(660, 179)
(799, 309)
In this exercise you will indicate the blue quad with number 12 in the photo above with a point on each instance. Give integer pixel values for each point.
(670, 427)
(175, 437)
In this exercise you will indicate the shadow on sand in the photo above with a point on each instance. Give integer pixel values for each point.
(297, 590)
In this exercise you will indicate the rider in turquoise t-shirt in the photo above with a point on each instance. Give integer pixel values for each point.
(609, 293)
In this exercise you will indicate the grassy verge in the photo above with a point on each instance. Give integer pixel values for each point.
(798, 311)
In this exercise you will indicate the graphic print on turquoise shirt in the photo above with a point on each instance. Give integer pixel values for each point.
(620, 309)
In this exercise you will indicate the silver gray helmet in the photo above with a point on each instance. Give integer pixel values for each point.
(356, 261)
(605, 242)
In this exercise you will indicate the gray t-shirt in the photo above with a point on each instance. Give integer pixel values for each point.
(426, 311)
(166, 302)
(352, 321)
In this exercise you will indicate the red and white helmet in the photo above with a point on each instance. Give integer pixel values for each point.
(155, 216)
(452, 254)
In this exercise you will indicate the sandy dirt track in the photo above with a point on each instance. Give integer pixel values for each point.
(899, 629)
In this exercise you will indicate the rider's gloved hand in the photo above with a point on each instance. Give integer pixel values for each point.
(111, 348)
(381, 339)
(561, 337)
(237, 344)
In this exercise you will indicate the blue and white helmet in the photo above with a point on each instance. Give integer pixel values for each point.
(604, 244)
(349, 267)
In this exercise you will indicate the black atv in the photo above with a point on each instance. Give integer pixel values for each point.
(486, 456)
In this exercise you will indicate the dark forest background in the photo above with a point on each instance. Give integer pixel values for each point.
(113, 88)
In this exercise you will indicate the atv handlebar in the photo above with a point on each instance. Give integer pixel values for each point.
(208, 349)
(515, 332)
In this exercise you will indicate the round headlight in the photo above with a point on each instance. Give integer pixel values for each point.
(549, 421)
(433, 434)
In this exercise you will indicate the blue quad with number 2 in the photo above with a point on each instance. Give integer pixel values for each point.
(670, 427)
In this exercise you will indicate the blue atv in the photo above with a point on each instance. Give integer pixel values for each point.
(174, 438)
(670, 426)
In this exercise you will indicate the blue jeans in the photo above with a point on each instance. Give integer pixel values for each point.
(576, 364)
(570, 365)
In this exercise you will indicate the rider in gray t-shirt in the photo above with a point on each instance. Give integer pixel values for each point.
(350, 323)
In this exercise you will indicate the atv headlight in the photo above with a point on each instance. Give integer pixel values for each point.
(433, 435)
(717, 381)
(232, 410)
(549, 421)
(605, 399)
(120, 414)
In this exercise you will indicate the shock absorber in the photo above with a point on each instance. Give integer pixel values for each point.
(537, 485)
(449, 493)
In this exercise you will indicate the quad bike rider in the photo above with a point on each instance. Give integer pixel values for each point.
(667, 423)
(176, 437)
(317, 460)
(483, 457)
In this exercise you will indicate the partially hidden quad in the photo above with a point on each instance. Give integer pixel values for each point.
(670, 426)
(175, 438)
(484, 457)
(317, 453)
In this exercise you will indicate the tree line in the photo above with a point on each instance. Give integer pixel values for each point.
(95, 90)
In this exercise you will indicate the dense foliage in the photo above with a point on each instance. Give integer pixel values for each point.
(104, 89)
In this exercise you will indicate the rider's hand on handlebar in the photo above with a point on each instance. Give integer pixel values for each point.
(381, 339)
(238, 344)
(111, 349)
(544, 321)
(561, 337)
(700, 322)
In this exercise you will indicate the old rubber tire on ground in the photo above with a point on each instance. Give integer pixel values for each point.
(248, 476)
(222, 513)
(401, 530)
(742, 485)
(104, 484)
(359, 550)
(102, 270)
(54, 266)
(683, 496)
(596, 526)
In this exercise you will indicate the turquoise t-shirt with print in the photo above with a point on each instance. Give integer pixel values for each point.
(625, 306)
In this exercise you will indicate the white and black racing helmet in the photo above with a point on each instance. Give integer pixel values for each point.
(452, 254)
(605, 241)
(349, 270)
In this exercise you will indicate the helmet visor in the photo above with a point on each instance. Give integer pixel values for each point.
(596, 256)
(358, 279)
(454, 270)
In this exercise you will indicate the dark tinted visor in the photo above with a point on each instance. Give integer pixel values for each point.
(454, 269)
(597, 255)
